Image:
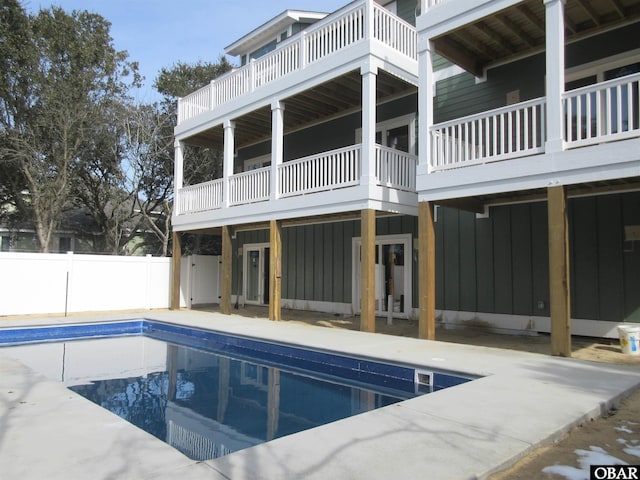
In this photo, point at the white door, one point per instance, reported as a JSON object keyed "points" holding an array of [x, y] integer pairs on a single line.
{"points": [[256, 266], [392, 274]]}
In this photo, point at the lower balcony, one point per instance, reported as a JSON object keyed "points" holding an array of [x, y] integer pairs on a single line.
{"points": [[601, 128], [329, 182]]}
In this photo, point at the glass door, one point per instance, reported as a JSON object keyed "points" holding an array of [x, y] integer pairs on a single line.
{"points": [[392, 256], [392, 275], [256, 275]]}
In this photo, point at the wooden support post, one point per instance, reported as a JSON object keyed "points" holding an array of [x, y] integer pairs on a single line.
{"points": [[273, 402], [426, 271], [368, 272], [559, 297], [227, 269], [275, 270], [224, 369], [175, 272], [172, 371]]}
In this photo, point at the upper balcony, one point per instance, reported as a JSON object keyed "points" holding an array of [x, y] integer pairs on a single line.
{"points": [[478, 35], [596, 114], [357, 30], [344, 66], [587, 136], [329, 182]]}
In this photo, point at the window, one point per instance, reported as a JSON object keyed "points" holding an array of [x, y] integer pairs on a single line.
{"points": [[616, 115], [65, 245], [257, 162], [5, 243], [397, 133]]}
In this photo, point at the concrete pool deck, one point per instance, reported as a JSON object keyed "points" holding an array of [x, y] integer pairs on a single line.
{"points": [[522, 402]]}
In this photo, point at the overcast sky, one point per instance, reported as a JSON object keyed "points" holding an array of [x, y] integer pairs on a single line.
{"points": [[159, 33]]}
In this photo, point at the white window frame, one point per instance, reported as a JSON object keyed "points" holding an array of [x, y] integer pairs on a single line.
{"points": [[599, 67], [245, 268], [383, 127], [257, 162], [407, 240]]}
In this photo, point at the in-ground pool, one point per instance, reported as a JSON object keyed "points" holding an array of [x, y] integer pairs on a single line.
{"points": [[206, 393]]}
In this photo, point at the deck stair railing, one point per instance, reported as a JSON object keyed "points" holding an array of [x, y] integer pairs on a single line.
{"points": [[395, 168], [200, 197], [513, 131], [249, 187], [603, 112], [334, 33], [326, 171]]}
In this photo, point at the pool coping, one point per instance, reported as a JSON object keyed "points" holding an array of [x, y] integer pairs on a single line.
{"points": [[523, 401]]}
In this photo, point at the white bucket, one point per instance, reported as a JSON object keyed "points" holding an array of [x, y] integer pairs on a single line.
{"points": [[630, 338]]}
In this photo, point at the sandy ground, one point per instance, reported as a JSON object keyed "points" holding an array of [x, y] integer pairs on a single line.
{"points": [[608, 440]]}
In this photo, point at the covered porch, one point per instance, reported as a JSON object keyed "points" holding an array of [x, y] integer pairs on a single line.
{"points": [[582, 141]]}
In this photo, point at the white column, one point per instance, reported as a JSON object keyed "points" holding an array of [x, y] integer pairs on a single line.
{"points": [[227, 163], [554, 14], [426, 93], [368, 21], [368, 160], [178, 173], [277, 146]]}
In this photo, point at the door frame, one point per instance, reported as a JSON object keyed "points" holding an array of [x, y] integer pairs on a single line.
{"points": [[403, 238], [262, 273]]}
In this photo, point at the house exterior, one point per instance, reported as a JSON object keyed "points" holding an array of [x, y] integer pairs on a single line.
{"points": [[473, 164]]}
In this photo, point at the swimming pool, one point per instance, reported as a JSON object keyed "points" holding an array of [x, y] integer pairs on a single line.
{"points": [[208, 393]]}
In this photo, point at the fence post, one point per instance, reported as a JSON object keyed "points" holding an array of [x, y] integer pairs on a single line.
{"points": [[69, 278], [147, 287]]}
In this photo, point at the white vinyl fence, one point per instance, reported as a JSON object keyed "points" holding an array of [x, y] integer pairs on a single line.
{"points": [[52, 283]]}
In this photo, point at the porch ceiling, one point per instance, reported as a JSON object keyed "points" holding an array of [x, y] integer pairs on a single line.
{"points": [[478, 203], [330, 99], [520, 30]]}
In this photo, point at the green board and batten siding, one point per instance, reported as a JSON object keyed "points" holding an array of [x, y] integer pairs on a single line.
{"points": [[505, 267], [462, 95], [497, 264]]}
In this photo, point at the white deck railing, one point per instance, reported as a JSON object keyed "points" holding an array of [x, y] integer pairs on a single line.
{"points": [[500, 134], [326, 171], [200, 197], [249, 187], [600, 113], [604, 112], [396, 169], [395, 32], [334, 33], [323, 172], [322, 40]]}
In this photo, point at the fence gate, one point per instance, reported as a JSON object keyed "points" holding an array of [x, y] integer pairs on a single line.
{"points": [[200, 279]]}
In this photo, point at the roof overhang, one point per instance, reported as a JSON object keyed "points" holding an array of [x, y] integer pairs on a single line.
{"points": [[270, 30], [519, 31]]}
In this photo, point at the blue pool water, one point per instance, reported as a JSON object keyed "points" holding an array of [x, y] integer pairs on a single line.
{"points": [[209, 394]]}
